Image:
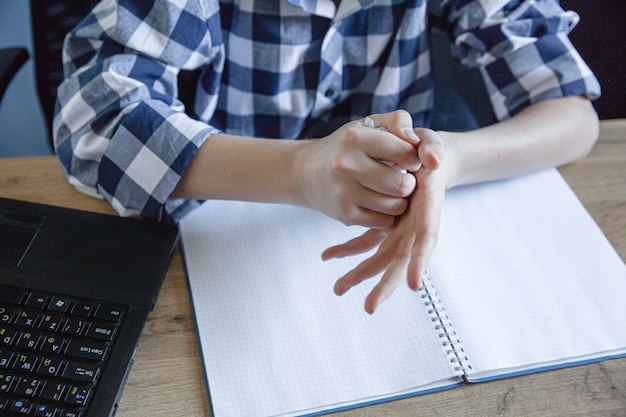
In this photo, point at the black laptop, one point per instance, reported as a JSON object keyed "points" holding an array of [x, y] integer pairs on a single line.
{"points": [[75, 291]]}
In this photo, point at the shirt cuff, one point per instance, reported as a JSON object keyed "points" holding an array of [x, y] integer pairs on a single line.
{"points": [[145, 160]]}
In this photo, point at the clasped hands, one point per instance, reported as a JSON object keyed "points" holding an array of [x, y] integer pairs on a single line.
{"points": [[401, 209]]}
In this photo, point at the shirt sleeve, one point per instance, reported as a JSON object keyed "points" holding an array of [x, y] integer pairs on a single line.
{"points": [[119, 130], [521, 48]]}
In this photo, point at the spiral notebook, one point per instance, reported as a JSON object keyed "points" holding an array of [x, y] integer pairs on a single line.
{"points": [[522, 281]]}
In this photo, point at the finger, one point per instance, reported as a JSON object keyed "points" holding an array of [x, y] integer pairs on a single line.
{"points": [[431, 150], [429, 200], [366, 218], [387, 180], [398, 122], [415, 270], [383, 145], [423, 249], [370, 267], [393, 277], [388, 284], [372, 208], [363, 155], [361, 244]]}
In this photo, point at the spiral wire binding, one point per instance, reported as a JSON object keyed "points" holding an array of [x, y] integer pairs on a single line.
{"points": [[443, 326]]}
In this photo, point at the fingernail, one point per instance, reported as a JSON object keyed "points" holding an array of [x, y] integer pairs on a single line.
{"points": [[419, 166], [410, 133]]}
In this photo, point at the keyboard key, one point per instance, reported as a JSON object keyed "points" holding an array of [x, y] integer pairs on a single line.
{"points": [[27, 387], [52, 344], [83, 308], [74, 327], [60, 304], [8, 335], [44, 410], [5, 358], [21, 407], [28, 340], [7, 314], [81, 372], [53, 391], [51, 322], [69, 413], [50, 366], [83, 349], [39, 301], [78, 395], [27, 318], [101, 331], [109, 313], [25, 362], [6, 383]]}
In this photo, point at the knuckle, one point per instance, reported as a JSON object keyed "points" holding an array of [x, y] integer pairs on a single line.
{"points": [[427, 180], [350, 134], [346, 211], [384, 222], [341, 167], [348, 215], [405, 185], [399, 207], [430, 136], [403, 118]]}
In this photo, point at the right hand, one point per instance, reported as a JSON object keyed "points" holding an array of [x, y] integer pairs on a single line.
{"points": [[342, 175]]}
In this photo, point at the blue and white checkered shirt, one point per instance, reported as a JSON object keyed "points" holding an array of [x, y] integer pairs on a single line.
{"points": [[280, 69]]}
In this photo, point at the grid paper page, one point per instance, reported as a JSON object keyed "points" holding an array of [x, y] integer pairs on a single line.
{"points": [[527, 277], [275, 339]]}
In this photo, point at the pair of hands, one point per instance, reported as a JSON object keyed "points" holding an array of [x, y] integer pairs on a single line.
{"points": [[402, 209]]}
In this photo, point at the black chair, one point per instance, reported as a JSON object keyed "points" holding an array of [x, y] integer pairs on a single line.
{"points": [[11, 60], [51, 21]]}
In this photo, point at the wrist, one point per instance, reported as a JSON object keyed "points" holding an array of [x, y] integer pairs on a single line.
{"points": [[303, 173], [450, 163]]}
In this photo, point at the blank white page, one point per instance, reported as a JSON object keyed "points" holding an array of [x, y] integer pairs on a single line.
{"points": [[528, 279], [274, 338]]}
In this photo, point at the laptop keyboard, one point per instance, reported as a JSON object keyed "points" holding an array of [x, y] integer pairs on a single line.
{"points": [[53, 350]]}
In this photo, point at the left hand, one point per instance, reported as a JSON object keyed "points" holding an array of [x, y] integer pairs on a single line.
{"points": [[404, 248]]}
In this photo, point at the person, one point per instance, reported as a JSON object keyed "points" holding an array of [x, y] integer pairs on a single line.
{"points": [[351, 79]]}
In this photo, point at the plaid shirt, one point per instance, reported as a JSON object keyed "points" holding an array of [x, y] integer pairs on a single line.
{"points": [[280, 69]]}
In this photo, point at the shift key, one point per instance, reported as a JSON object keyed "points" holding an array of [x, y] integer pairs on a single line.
{"points": [[101, 331]]}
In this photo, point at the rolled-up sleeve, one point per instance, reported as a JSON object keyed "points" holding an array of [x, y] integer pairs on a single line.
{"points": [[119, 129], [522, 49]]}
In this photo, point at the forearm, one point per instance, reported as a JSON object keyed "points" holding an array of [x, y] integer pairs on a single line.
{"points": [[239, 168], [548, 134]]}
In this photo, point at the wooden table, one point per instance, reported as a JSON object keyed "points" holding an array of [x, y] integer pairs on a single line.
{"points": [[167, 378]]}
